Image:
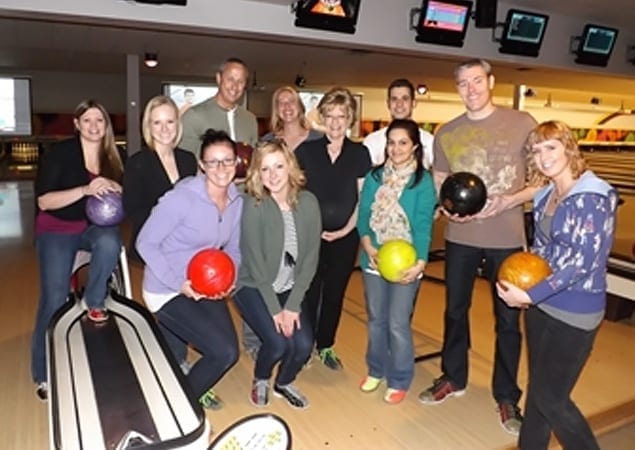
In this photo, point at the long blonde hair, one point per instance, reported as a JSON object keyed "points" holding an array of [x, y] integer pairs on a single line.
{"points": [[146, 128], [110, 165], [254, 185], [559, 131], [276, 122]]}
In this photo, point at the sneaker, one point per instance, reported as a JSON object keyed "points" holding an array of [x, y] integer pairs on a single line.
{"points": [[369, 384], [259, 395], [292, 395], [510, 418], [330, 359], [440, 390], [394, 396], [42, 391], [97, 315], [210, 400]]}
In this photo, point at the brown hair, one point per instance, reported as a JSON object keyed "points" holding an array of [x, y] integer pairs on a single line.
{"points": [[559, 131], [110, 165]]}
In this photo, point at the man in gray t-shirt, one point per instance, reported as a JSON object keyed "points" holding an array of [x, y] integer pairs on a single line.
{"points": [[488, 141]]}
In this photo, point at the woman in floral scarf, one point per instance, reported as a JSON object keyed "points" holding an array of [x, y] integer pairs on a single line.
{"points": [[397, 202]]}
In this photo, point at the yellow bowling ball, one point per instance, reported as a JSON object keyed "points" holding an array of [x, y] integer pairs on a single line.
{"points": [[395, 256]]}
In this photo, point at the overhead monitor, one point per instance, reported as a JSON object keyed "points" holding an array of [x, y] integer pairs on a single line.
{"points": [[523, 33], [596, 45], [330, 15], [15, 106], [443, 22]]}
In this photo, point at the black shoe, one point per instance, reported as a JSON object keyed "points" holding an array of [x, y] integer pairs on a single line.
{"points": [[42, 391], [292, 395]]}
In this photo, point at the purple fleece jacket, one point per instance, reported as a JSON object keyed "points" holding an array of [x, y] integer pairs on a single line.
{"points": [[183, 222]]}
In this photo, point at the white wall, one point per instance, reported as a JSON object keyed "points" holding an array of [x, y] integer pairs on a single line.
{"points": [[381, 25]]}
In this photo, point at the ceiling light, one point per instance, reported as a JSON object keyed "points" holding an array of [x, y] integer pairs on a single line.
{"points": [[300, 81], [151, 60], [422, 89]]}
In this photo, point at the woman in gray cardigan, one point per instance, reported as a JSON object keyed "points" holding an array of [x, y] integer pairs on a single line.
{"points": [[280, 242]]}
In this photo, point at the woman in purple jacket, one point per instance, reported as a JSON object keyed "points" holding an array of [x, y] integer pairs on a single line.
{"points": [[199, 212], [575, 226]]}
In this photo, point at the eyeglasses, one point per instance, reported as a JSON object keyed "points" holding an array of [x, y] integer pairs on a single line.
{"points": [[216, 163]]}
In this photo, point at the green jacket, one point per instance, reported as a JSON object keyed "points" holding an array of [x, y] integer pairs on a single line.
{"points": [[208, 114], [262, 244], [417, 202]]}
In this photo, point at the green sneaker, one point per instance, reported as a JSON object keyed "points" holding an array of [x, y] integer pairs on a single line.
{"points": [[210, 400], [329, 359]]}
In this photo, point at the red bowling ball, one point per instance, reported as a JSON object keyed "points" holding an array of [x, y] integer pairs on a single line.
{"points": [[211, 272], [243, 156]]}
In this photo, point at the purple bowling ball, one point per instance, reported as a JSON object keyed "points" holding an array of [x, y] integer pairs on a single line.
{"points": [[105, 210]]}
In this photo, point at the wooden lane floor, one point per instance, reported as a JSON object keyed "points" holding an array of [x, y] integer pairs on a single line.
{"points": [[340, 416], [617, 167]]}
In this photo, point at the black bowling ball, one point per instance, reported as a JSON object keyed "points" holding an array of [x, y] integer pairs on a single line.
{"points": [[463, 193]]}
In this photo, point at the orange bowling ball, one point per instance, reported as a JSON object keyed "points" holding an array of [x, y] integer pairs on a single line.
{"points": [[524, 269]]}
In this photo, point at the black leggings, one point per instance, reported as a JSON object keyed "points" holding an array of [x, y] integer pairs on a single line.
{"points": [[325, 296]]}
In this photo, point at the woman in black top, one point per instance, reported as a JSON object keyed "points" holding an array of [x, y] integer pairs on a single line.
{"points": [[153, 171], [335, 168], [85, 165]]}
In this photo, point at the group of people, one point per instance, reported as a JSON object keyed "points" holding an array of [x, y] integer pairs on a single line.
{"points": [[294, 226]]}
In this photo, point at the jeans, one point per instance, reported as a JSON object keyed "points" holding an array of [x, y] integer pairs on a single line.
{"points": [[325, 297], [207, 326], [291, 352], [557, 354], [390, 351], [56, 254], [461, 265], [250, 340]]}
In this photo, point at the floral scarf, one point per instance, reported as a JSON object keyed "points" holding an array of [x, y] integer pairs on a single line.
{"points": [[387, 218]]}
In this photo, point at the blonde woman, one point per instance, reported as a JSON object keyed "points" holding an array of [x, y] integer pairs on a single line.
{"points": [[288, 119], [155, 169], [335, 168], [280, 245]]}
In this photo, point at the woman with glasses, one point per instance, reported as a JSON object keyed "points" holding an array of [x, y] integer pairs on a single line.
{"points": [[199, 212], [155, 169], [335, 168], [280, 244]]}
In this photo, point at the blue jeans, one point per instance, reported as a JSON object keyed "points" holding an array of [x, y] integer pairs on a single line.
{"points": [[56, 254], [461, 265], [390, 351], [557, 355], [207, 326], [291, 352]]}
